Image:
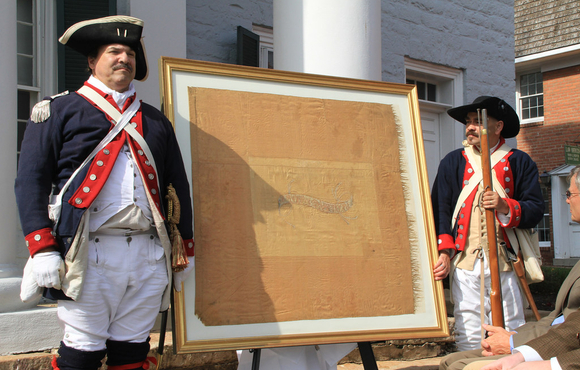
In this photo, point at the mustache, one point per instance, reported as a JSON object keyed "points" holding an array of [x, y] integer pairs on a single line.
{"points": [[123, 65], [471, 133]]}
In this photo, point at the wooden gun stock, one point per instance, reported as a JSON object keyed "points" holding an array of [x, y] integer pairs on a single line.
{"points": [[495, 295], [518, 265]]}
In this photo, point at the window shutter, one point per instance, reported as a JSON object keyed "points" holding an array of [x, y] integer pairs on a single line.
{"points": [[72, 65], [248, 48]]}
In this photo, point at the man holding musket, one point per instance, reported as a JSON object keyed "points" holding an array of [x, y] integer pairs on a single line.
{"points": [[459, 204], [107, 257]]}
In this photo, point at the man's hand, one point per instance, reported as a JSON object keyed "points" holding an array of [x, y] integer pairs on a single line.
{"points": [[492, 200], [508, 362], [497, 342], [442, 267], [48, 269]]}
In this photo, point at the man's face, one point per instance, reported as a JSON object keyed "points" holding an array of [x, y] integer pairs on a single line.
{"points": [[472, 134], [574, 200], [114, 66]]}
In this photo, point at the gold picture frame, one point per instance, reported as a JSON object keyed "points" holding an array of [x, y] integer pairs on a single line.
{"points": [[312, 213]]}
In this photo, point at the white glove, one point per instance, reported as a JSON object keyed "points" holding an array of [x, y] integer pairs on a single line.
{"points": [[29, 289], [48, 268], [181, 276]]}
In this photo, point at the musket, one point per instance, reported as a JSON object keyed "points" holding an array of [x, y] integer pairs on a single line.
{"points": [[162, 333], [517, 262], [495, 295]]}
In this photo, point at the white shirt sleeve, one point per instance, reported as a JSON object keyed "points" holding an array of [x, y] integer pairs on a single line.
{"points": [[554, 364], [529, 353], [504, 219]]}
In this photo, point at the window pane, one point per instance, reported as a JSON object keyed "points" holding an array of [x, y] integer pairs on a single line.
{"points": [[431, 92], [425, 90], [21, 129], [23, 112], [421, 90], [24, 71], [23, 105], [270, 59], [544, 225], [525, 103], [24, 11], [24, 39]]}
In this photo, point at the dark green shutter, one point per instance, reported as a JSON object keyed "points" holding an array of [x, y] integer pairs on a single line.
{"points": [[248, 48], [73, 69]]}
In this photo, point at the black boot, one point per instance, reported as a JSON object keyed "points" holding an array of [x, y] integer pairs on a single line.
{"points": [[74, 359], [125, 353]]}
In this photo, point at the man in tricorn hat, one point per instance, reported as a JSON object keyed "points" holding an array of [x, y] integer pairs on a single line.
{"points": [[107, 257], [461, 230]]}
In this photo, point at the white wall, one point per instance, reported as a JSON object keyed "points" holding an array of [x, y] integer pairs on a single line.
{"points": [[474, 36], [9, 226], [477, 36], [212, 26], [164, 34]]}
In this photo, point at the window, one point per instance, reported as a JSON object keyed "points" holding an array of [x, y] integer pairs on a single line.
{"points": [[73, 68], [543, 227], [266, 45], [531, 96], [425, 90], [26, 54], [39, 23], [248, 48]]}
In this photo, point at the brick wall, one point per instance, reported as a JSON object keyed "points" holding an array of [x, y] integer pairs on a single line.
{"points": [[545, 142]]}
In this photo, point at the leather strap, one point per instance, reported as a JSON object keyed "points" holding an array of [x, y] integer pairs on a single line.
{"points": [[477, 175], [102, 103], [122, 121]]}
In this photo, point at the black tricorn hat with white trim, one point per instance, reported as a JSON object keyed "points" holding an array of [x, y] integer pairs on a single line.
{"points": [[87, 36], [496, 108]]}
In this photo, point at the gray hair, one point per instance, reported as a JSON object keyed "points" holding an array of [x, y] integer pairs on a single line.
{"points": [[574, 174]]}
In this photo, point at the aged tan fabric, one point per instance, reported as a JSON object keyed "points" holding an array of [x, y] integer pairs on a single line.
{"points": [[299, 209]]}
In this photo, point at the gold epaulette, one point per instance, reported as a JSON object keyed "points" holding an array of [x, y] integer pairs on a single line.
{"points": [[41, 111]]}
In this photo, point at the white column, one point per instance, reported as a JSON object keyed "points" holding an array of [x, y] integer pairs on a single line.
{"points": [[25, 328], [161, 38], [11, 240], [329, 37]]}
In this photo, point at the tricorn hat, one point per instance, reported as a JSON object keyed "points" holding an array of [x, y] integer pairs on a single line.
{"points": [[496, 108], [87, 36]]}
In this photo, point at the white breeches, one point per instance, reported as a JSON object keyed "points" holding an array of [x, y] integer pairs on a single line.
{"points": [[121, 294], [466, 296]]}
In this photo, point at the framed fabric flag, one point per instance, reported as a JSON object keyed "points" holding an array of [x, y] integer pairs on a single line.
{"points": [[312, 215]]}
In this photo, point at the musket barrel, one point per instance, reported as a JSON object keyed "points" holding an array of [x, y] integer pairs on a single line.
{"points": [[496, 294]]}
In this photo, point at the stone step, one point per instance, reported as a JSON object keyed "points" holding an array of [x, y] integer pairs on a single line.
{"points": [[388, 354]]}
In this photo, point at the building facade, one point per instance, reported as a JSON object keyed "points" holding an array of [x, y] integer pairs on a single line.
{"points": [[547, 46], [453, 51]]}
